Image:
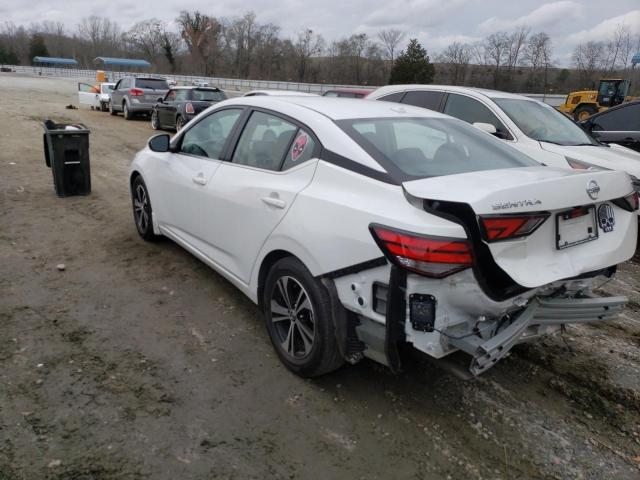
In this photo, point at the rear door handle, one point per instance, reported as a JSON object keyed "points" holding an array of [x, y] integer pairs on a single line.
{"points": [[200, 180], [274, 201]]}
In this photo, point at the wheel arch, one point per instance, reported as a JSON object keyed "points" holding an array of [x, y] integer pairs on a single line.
{"points": [[267, 262]]}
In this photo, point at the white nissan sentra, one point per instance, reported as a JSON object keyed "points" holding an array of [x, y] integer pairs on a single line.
{"points": [[359, 226]]}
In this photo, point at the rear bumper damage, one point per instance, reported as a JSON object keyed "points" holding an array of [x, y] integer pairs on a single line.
{"points": [[533, 321]]}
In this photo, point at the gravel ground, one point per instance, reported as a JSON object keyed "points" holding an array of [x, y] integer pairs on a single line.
{"points": [[139, 362]]}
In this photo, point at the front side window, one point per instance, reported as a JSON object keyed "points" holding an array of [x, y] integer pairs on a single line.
{"points": [[182, 95], [331, 94], [171, 96], [208, 95], [543, 123], [431, 147], [394, 97], [208, 137], [472, 111], [264, 141]]}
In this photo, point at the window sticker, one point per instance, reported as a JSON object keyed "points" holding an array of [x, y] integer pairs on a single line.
{"points": [[298, 147]]}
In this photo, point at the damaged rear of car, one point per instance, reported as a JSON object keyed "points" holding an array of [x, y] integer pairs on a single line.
{"points": [[522, 250]]}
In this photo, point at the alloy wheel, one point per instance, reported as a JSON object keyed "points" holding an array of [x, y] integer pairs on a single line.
{"points": [[292, 317], [141, 208]]}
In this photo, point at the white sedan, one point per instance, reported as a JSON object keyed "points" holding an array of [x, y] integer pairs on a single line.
{"points": [[359, 226], [533, 127]]}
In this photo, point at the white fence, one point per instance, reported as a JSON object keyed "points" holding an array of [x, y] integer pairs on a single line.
{"points": [[223, 83]]}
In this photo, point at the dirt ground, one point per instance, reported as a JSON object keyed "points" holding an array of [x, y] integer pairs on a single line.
{"points": [[139, 362]]}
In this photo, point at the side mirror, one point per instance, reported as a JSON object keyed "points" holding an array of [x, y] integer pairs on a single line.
{"points": [[160, 100], [159, 143], [486, 127]]}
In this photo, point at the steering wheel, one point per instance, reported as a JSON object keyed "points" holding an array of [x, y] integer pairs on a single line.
{"points": [[194, 149], [538, 132]]}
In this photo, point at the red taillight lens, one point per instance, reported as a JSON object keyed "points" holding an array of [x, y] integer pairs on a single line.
{"points": [[189, 108], [631, 202], [434, 257], [506, 227], [136, 92]]}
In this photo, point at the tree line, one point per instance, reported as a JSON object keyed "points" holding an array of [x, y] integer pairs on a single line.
{"points": [[243, 47]]}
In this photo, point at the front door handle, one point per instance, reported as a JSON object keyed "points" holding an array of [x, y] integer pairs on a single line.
{"points": [[274, 201], [200, 180]]}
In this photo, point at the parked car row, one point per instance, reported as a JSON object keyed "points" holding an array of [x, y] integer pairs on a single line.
{"points": [[360, 226]]}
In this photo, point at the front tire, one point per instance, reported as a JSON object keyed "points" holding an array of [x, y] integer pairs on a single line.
{"points": [[155, 123], [142, 211], [297, 311], [583, 112]]}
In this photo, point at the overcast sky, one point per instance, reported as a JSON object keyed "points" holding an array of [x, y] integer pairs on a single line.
{"points": [[435, 23]]}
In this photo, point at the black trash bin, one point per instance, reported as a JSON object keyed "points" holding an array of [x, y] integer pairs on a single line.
{"points": [[66, 151]]}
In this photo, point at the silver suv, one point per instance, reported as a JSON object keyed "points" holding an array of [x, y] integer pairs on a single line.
{"points": [[133, 95]]}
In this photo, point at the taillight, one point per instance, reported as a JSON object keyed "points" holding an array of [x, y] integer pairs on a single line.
{"points": [[630, 203], [431, 256], [507, 227], [136, 92], [189, 108]]}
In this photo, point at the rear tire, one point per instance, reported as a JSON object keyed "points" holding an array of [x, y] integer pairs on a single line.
{"points": [[104, 107], [142, 211], [297, 312], [111, 109], [583, 112], [125, 111], [179, 123]]}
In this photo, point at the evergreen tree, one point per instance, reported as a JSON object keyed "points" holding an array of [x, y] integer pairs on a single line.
{"points": [[412, 65], [37, 47]]}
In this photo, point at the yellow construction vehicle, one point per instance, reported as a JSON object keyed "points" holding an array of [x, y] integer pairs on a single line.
{"points": [[611, 92]]}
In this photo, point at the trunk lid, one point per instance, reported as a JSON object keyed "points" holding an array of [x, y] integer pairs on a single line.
{"points": [[536, 260]]}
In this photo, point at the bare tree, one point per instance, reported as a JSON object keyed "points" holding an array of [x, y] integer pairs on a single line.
{"points": [[589, 59], [456, 58], [537, 54], [200, 32], [390, 39], [496, 50], [306, 46], [101, 34]]}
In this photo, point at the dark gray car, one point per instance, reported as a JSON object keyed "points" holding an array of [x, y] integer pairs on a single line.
{"points": [[133, 95]]}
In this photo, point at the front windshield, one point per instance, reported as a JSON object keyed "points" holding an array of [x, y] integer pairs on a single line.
{"points": [[544, 123], [430, 147]]}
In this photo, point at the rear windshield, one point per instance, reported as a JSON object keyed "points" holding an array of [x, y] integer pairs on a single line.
{"points": [[208, 95], [431, 147], [152, 83]]}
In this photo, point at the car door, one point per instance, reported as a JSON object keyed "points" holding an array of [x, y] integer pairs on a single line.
{"points": [[164, 107], [182, 176], [471, 110], [620, 125], [250, 195], [86, 94], [117, 94]]}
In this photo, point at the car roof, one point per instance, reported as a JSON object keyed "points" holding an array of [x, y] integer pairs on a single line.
{"points": [[338, 108], [351, 90], [194, 87], [281, 93], [449, 88]]}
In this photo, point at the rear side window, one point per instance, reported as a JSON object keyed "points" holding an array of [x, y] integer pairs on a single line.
{"points": [[264, 141], [394, 97], [622, 119], [472, 111], [152, 83], [429, 147], [430, 100]]}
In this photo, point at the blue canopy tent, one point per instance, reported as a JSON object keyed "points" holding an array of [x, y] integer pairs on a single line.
{"points": [[110, 62], [54, 62]]}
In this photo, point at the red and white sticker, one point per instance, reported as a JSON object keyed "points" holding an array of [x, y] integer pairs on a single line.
{"points": [[298, 147]]}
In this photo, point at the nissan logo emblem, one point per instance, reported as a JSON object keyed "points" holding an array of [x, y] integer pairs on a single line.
{"points": [[593, 190]]}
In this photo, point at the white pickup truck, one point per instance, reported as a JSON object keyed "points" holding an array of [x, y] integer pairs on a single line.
{"points": [[95, 96]]}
